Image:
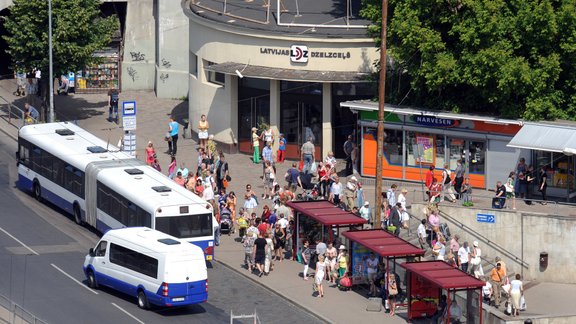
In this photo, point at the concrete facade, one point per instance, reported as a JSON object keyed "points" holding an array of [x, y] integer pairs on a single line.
{"points": [[138, 64], [523, 235], [172, 50]]}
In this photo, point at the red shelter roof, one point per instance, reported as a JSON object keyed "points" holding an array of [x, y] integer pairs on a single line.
{"points": [[443, 275], [325, 212], [384, 243]]}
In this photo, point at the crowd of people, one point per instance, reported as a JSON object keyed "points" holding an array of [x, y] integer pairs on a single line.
{"points": [[434, 236], [267, 239], [519, 185]]}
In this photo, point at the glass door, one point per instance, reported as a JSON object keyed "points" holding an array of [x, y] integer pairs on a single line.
{"points": [[301, 116], [253, 109]]}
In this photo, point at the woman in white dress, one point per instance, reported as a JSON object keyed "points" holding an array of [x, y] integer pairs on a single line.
{"points": [[321, 266], [268, 265], [516, 292]]}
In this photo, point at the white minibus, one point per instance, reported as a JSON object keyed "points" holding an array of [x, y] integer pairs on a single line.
{"points": [[157, 268]]}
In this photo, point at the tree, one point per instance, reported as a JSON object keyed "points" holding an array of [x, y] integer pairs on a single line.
{"points": [[78, 31], [509, 58]]}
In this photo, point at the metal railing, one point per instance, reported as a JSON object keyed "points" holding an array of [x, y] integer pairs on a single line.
{"points": [[13, 114], [16, 313], [224, 10], [479, 236]]}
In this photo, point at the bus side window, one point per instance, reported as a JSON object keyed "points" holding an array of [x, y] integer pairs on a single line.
{"points": [[101, 249]]}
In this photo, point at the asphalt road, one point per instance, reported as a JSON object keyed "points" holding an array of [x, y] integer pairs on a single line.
{"points": [[41, 255]]}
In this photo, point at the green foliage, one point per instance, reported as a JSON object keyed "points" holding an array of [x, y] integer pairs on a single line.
{"points": [[508, 58], [78, 31]]}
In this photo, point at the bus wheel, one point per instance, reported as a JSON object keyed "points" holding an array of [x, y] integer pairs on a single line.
{"points": [[37, 191], [77, 215], [143, 300], [92, 280]]}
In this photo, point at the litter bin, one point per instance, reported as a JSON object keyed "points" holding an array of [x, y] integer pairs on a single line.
{"points": [[543, 261]]}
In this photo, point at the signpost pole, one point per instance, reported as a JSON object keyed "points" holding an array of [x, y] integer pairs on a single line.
{"points": [[381, 97]]}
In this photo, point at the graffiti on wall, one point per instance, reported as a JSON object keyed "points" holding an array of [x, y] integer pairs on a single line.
{"points": [[163, 77], [137, 56], [132, 73], [166, 64]]}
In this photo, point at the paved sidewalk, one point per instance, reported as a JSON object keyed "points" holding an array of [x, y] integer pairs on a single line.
{"points": [[90, 112]]}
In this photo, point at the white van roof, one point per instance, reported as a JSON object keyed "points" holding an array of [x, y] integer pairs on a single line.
{"points": [[152, 241]]}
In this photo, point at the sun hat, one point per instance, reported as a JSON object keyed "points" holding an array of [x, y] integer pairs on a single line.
{"points": [[404, 190], [342, 247], [353, 178], [475, 243], [366, 203]]}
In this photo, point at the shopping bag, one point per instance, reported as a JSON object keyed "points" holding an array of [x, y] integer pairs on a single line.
{"points": [[314, 287], [301, 165], [522, 303]]}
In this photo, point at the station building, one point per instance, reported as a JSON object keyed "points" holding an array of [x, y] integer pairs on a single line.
{"points": [[287, 65]]}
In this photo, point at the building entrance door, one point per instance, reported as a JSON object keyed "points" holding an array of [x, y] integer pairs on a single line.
{"points": [[253, 110], [299, 121], [301, 116]]}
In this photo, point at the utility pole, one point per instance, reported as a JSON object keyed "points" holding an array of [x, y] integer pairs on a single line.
{"points": [[381, 96], [50, 74]]}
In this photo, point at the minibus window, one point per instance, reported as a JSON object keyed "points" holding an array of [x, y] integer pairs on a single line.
{"points": [[101, 249]]}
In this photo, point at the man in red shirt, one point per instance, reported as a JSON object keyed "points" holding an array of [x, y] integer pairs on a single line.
{"points": [[429, 177]]}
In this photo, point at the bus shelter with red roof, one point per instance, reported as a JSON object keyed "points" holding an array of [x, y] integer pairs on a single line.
{"points": [[320, 219], [383, 244], [427, 280]]}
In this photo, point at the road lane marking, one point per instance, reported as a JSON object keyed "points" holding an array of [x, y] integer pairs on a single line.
{"points": [[73, 279], [125, 312], [20, 242]]}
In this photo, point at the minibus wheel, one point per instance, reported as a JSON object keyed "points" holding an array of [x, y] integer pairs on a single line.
{"points": [[92, 280], [143, 300]]}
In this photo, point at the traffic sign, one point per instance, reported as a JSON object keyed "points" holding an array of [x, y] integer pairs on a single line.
{"points": [[485, 218], [129, 115]]}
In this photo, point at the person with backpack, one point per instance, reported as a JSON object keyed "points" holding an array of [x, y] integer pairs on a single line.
{"points": [[113, 100], [447, 183]]}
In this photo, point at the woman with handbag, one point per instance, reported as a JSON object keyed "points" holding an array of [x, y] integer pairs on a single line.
{"points": [[510, 192], [516, 293], [392, 292], [476, 261]]}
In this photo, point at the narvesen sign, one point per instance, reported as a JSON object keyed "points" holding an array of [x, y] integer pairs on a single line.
{"points": [[434, 121], [301, 53]]}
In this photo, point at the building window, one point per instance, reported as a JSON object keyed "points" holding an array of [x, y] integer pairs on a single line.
{"points": [[193, 64], [214, 77], [392, 145]]}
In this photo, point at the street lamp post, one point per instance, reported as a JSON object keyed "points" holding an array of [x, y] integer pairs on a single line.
{"points": [[50, 74], [381, 96]]}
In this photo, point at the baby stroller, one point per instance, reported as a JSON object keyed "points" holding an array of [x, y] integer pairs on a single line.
{"points": [[226, 225], [311, 190]]}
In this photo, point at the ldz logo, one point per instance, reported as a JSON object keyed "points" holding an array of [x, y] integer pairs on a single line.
{"points": [[299, 54]]}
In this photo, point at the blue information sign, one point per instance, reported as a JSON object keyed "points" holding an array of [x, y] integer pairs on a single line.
{"points": [[128, 108], [485, 218]]}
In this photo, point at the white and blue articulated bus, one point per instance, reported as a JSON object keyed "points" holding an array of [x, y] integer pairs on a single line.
{"points": [[156, 268], [105, 188]]}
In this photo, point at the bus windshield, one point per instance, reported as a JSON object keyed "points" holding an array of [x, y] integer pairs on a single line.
{"points": [[186, 226]]}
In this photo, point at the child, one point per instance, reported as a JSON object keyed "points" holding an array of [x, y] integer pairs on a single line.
{"points": [[248, 251], [242, 226], [466, 191], [281, 149]]}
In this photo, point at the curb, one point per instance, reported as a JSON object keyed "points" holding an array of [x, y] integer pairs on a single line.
{"points": [[8, 134], [293, 303]]}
